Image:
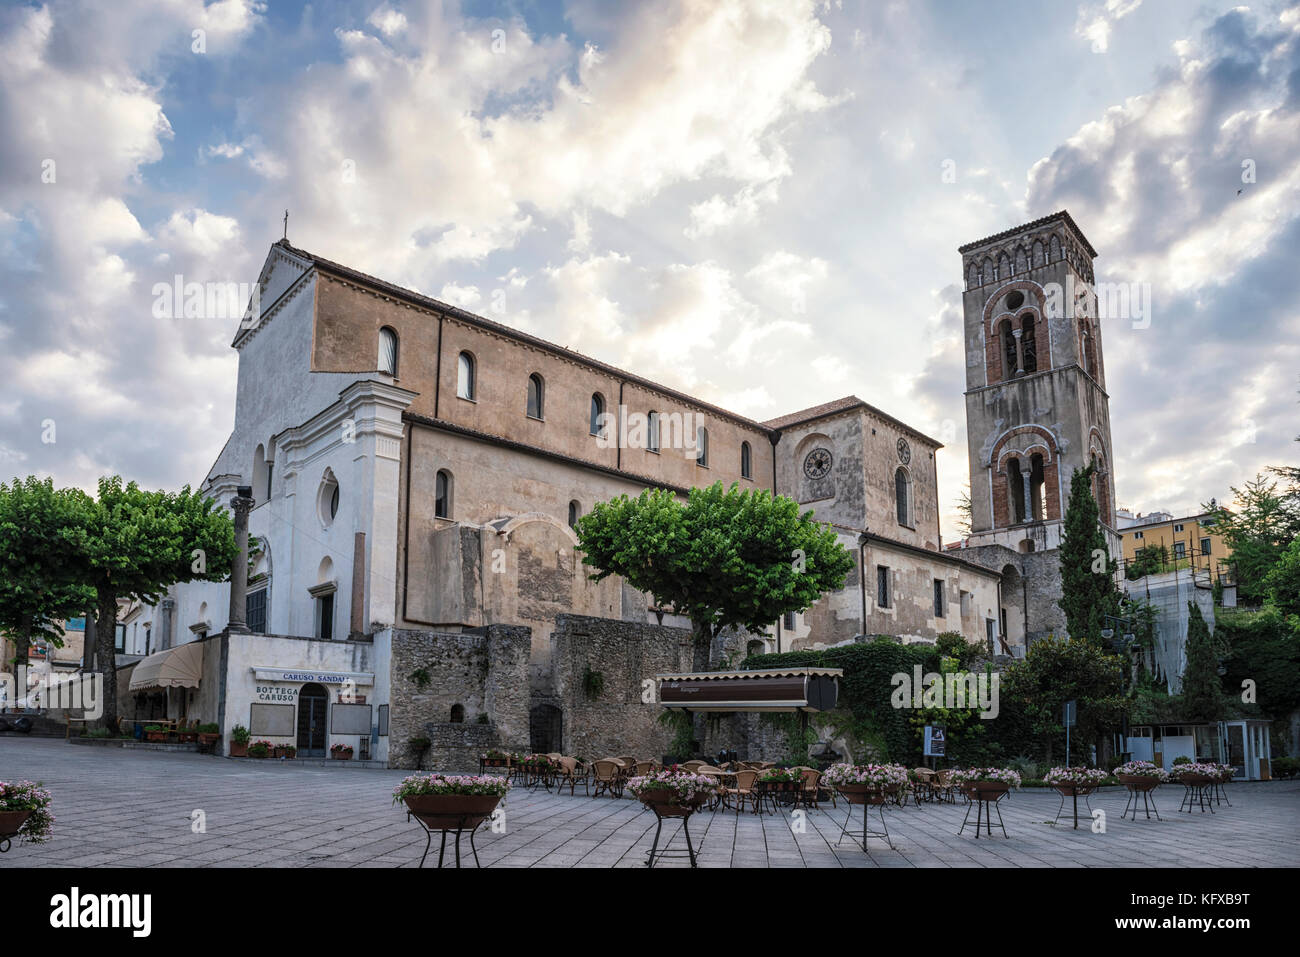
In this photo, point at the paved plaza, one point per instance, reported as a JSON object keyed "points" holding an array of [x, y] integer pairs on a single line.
{"points": [[128, 808]]}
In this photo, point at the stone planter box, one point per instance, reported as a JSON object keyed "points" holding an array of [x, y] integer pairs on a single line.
{"points": [[862, 793]]}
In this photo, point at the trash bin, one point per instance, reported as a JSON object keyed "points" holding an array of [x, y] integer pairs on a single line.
{"points": [[137, 731]]}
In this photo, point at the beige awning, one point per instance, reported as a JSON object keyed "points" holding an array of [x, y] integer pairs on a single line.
{"points": [[180, 667]]}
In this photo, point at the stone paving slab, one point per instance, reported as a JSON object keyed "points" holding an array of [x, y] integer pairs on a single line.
{"points": [[134, 809]]}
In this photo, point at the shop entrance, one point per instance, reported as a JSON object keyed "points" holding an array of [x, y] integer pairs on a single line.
{"points": [[313, 702]]}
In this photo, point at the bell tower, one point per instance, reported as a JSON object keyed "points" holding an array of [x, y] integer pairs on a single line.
{"points": [[1036, 401]]}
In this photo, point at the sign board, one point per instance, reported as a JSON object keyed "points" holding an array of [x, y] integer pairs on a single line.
{"points": [[262, 673], [350, 719], [1070, 714], [275, 694], [934, 742], [277, 720]]}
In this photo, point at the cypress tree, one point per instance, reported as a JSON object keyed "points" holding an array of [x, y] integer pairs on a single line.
{"points": [[1088, 592], [1202, 698]]}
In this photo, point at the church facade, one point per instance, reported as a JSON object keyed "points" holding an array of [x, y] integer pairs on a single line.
{"points": [[417, 469]]}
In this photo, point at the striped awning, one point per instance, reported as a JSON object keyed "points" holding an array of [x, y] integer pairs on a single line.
{"points": [[180, 667]]}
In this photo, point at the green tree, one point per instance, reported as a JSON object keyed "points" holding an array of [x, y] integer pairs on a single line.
{"points": [[1258, 528], [1202, 695], [134, 543], [1283, 581], [1088, 592], [39, 589], [1056, 670], [724, 558], [964, 512]]}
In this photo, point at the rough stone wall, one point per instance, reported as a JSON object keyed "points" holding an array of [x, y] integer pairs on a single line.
{"points": [[485, 671], [625, 654]]}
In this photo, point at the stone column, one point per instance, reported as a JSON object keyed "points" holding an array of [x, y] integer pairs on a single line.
{"points": [[237, 624], [1025, 478], [166, 622], [1020, 351]]}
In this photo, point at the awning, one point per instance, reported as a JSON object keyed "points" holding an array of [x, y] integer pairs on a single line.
{"points": [[180, 667], [785, 689]]}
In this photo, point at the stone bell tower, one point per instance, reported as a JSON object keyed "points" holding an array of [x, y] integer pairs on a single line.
{"points": [[1036, 402]]}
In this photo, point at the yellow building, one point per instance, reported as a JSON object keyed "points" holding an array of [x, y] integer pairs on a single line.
{"points": [[1173, 544]]}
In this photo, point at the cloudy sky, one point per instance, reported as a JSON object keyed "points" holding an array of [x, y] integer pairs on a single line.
{"points": [[743, 200]]}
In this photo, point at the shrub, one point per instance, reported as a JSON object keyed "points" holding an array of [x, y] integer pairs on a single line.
{"points": [[240, 735], [1182, 759]]}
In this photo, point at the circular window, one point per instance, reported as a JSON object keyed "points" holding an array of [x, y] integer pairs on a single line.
{"points": [[1015, 300], [327, 500]]}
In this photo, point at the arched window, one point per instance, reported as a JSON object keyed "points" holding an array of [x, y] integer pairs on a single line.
{"points": [[746, 461], [1021, 263], [988, 271], [1038, 252], [903, 496], [388, 351], [1087, 353], [465, 385], [442, 494], [327, 498], [1028, 346], [1055, 249], [1037, 488], [458, 714], [702, 447], [261, 478], [1010, 360], [972, 276], [652, 432], [536, 396], [575, 511], [1016, 488], [1004, 267], [597, 414]]}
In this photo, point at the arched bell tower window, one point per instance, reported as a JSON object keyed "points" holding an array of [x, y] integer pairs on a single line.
{"points": [[1028, 346], [1010, 361], [1016, 482]]}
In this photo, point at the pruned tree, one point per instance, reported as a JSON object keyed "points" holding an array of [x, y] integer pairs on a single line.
{"points": [[1202, 696], [134, 543], [39, 586], [724, 558]]}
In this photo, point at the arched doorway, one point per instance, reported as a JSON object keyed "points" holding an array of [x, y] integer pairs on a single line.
{"points": [[313, 704], [545, 728]]}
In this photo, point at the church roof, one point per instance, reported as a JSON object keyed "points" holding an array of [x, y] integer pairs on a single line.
{"points": [[1060, 216], [770, 426], [826, 409]]}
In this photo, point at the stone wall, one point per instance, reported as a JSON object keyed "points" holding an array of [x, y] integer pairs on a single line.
{"points": [[484, 671], [625, 654]]}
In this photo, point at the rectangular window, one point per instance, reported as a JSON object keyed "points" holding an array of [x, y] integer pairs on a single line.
{"points": [[1178, 528], [119, 640], [383, 720], [1180, 549], [325, 617], [966, 603], [990, 634], [940, 607], [1205, 546], [788, 623], [1137, 534], [882, 586], [255, 611]]}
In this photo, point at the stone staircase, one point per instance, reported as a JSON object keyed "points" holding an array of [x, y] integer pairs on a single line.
{"points": [[42, 725]]}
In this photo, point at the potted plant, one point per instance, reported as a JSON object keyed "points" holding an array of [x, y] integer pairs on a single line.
{"points": [[1193, 774], [239, 738], [451, 802], [1070, 781], [260, 749], [208, 735], [865, 783], [187, 735], [673, 793], [986, 783], [155, 732], [341, 752], [495, 758], [1140, 775], [24, 813], [286, 751], [781, 779]]}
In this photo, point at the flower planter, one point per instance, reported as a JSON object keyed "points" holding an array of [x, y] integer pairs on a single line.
{"points": [[341, 755], [452, 811], [495, 762], [668, 803], [1138, 782], [207, 740], [238, 750], [1071, 790], [155, 735], [1194, 780], [187, 737], [862, 793], [11, 821], [985, 790]]}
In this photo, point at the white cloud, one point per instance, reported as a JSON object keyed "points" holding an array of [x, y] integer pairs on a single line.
{"points": [[1096, 20]]}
